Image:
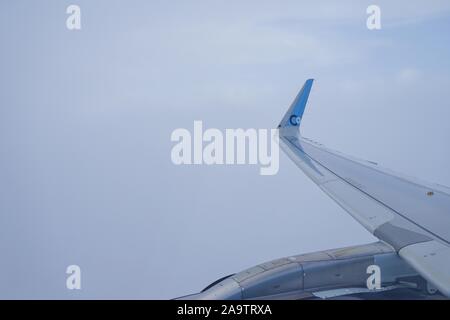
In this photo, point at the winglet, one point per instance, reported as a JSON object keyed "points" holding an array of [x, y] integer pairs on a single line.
{"points": [[294, 115]]}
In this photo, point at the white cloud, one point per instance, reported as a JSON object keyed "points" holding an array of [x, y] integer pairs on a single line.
{"points": [[408, 76]]}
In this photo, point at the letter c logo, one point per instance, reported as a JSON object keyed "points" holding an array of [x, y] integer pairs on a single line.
{"points": [[295, 121]]}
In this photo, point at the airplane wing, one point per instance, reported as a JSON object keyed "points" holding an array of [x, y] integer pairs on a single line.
{"points": [[410, 215]]}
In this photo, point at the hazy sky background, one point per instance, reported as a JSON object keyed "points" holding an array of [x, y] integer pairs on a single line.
{"points": [[86, 116]]}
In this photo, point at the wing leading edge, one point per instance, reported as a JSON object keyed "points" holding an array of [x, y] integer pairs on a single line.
{"points": [[410, 215]]}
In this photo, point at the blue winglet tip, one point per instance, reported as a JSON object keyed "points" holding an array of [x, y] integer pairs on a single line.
{"points": [[294, 115]]}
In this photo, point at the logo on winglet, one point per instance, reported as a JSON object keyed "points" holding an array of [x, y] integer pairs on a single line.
{"points": [[294, 120]]}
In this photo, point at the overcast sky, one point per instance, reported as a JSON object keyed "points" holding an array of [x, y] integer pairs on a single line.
{"points": [[86, 116]]}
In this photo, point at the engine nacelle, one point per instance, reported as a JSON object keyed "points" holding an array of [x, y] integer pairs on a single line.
{"points": [[320, 274]]}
